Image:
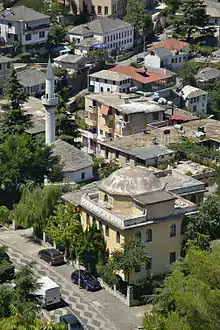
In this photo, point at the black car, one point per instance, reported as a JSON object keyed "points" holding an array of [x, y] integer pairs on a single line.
{"points": [[71, 321], [87, 280], [4, 256], [52, 256]]}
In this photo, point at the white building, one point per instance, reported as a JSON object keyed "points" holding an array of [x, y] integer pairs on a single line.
{"points": [[195, 99], [77, 165], [104, 32], [24, 25], [109, 81]]}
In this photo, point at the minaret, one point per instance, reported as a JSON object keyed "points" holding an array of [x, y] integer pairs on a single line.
{"points": [[50, 101]]}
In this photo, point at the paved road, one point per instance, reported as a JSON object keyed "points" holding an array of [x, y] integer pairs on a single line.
{"points": [[97, 310]]}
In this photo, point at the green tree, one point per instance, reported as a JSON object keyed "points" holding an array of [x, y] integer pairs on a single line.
{"points": [[108, 169], [172, 5], [188, 73], [35, 206], [63, 228], [190, 296], [22, 161], [129, 257], [39, 5], [7, 271], [15, 120], [214, 99], [194, 18], [56, 35], [135, 15]]}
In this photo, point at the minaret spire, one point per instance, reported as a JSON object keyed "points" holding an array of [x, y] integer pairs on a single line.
{"points": [[50, 101]]}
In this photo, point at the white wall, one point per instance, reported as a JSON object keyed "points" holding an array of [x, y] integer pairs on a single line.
{"points": [[177, 61], [102, 86], [75, 177], [119, 39], [152, 60], [200, 102]]}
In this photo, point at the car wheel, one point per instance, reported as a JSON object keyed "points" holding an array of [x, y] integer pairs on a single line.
{"points": [[87, 288]]}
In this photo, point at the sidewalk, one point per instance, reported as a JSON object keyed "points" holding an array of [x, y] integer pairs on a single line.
{"points": [[123, 317]]}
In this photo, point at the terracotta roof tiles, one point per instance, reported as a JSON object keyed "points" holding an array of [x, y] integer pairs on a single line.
{"points": [[171, 44]]}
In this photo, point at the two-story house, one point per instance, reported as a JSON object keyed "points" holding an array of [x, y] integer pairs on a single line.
{"points": [[107, 33], [113, 115], [24, 25], [195, 99], [134, 203], [104, 8], [6, 65], [109, 81], [170, 53]]}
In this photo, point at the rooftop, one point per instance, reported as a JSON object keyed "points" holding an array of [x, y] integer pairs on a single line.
{"points": [[72, 158], [31, 77], [22, 13], [34, 107], [207, 74], [171, 44], [160, 51], [154, 197], [110, 75], [140, 75], [212, 8], [69, 58], [190, 91], [126, 103], [145, 153], [100, 26]]}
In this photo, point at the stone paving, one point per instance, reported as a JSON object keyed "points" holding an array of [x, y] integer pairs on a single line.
{"points": [[96, 310]]}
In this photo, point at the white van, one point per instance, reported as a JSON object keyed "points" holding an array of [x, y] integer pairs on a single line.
{"points": [[49, 291]]}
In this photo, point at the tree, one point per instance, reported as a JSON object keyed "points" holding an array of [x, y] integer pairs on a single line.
{"points": [[214, 99], [63, 228], [188, 73], [22, 161], [189, 298], [56, 35], [7, 271], [135, 15], [194, 18], [35, 206], [204, 227], [129, 257], [15, 120], [172, 5], [108, 169]]}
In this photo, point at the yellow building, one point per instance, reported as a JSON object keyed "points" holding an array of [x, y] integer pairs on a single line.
{"points": [[133, 202]]}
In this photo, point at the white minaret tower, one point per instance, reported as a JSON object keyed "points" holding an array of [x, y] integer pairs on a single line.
{"points": [[50, 101]]}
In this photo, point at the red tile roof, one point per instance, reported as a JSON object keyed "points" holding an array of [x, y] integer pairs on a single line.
{"points": [[171, 44], [140, 75], [178, 117]]}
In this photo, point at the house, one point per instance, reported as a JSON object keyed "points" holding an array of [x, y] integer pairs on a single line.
{"points": [[147, 80], [213, 10], [207, 76], [6, 65], [24, 25], [133, 203], [70, 61], [195, 99], [108, 33], [33, 81], [170, 53], [216, 53], [109, 81], [112, 115], [77, 165]]}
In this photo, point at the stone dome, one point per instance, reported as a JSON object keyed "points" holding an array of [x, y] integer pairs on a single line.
{"points": [[130, 182]]}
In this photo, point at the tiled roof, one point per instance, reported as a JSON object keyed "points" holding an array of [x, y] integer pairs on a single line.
{"points": [[140, 75], [110, 75], [190, 91], [208, 73], [171, 44]]}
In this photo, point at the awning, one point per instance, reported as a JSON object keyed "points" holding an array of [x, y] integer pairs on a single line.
{"points": [[104, 110], [178, 117]]}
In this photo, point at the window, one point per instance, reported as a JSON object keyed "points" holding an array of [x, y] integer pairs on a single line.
{"points": [[149, 235], [183, 227], [100, 224], [137, 269], [9, 25], [138, 235], [99, 10], [126, 118], [108, 89], [172, 257], [173, 230], [182, 253], [172, 60], [122, 34], [101, 89], [107, 230], [155, 115], [119, 35], [130, 32], [197, 99], [105, 81], [83, 176], [204, 97], [118, 238], [113, 82], [148, 264], [176, 60], [87, 219], [42, 34], [180, 59], [111, 37], [0, 66], [130, 40], [28, 37], [105, 198], [114, 37], [106, 10]]}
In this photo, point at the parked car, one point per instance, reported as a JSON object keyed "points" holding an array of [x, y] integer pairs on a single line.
{"points": [[71, 321], [4, 256], [87, 280], [52, 256]]}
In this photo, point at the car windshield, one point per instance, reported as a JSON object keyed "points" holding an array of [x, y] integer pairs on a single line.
{"points": [[76, 325]]}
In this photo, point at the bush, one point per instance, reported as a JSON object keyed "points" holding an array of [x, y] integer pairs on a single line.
{"points": [[189, 173], [106, 273]]}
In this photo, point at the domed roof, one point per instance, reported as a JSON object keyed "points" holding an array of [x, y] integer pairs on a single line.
{"points": [[130, 182]]}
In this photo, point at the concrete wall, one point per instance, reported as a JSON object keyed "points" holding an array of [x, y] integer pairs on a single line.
{"points": [[197, 104], [152, 60], [108, 86], [75, 177]]}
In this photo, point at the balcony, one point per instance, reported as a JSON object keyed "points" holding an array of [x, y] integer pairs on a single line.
{"points": [[91, 109], [91, 122], [36, 27]]}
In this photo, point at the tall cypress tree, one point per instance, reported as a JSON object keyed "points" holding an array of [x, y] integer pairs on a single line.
{"points": [[15, 120]]}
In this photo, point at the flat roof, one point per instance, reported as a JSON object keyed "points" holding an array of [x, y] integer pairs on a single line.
{"points": [[145, 153], [154, 197]]}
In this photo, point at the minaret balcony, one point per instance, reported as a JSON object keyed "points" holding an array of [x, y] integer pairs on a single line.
{"points": [[49, 101]]}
